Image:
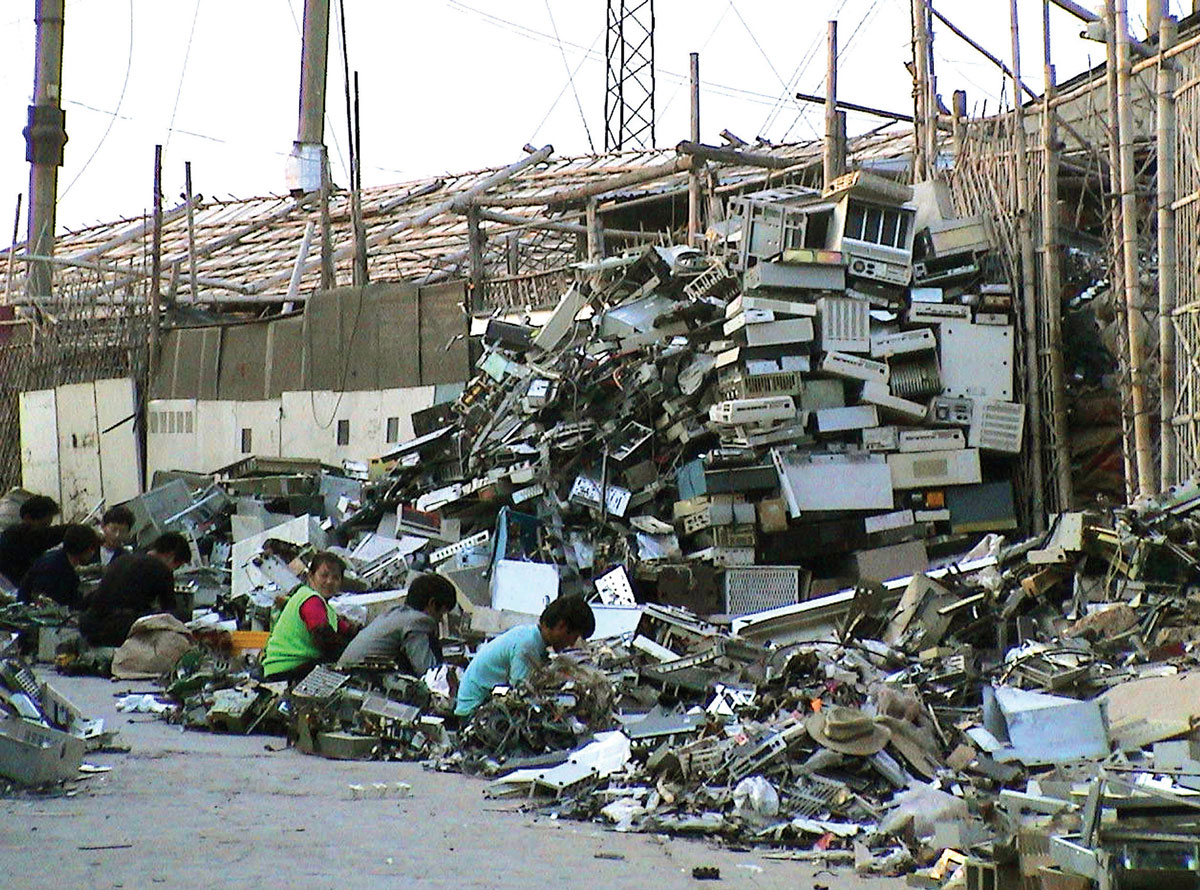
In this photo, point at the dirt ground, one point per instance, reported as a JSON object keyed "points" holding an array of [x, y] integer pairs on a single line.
{"points": [[191, 809]]}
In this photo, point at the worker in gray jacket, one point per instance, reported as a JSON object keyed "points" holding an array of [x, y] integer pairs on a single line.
{"points": [[407, 634]]}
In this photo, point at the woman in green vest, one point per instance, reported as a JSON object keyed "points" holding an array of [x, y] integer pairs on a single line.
{"points": [[308, 631]]}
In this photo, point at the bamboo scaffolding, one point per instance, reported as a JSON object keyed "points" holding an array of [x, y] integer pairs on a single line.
{"points": [[1165, 137], [1028, 286], [1147, 479]]}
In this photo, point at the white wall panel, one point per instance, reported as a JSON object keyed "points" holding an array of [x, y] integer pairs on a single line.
{"points": [[120, 450], [39, 443], [78, 450]]}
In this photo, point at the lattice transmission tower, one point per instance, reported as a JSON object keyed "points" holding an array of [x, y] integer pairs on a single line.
{"points": [[629, 87]]}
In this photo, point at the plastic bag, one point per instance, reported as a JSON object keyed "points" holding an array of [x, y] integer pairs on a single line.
{"points": [[919, 807], [755, 799]]}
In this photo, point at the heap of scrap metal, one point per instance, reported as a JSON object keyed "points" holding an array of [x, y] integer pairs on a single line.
{"points": [[697, 426], [1028, 717]]}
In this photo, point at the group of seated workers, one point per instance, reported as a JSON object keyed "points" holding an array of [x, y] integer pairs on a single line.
{"points": [[43, 560], [308, 632]]}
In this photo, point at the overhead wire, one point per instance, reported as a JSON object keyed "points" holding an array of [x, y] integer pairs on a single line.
{"points": [[583, 58], [113, 119], [182, 74], [843, 52], [571, 78]]}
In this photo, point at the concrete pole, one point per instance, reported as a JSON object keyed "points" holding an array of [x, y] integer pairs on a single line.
{"points": [[1167, 255], [830, 168], [45, 136], [1147, 478], [694, 224], [314, 57], [1029, 284]]}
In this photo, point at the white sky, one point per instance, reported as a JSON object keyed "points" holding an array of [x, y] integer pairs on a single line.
{"points": [[454, 85]]}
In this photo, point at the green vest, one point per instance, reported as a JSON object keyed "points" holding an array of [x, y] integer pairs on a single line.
{"points": [[290, 644]]}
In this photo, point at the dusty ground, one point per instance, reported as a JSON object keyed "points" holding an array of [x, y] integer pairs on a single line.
{"points": [[189, 809]]}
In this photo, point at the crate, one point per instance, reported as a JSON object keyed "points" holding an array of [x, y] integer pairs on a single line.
{"points": [[757, 588]]}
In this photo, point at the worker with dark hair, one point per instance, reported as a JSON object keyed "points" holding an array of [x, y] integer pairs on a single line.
{"points": [[308, 631], [24, 542], [134, 585], [510, 657], [115, 526], [53, 574], [407, 634]]}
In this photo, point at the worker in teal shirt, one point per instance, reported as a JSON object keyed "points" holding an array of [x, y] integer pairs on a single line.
{"points": [[510, 657]]}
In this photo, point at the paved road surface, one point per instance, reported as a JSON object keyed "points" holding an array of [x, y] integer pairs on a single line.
{"points": [[211, 811]]}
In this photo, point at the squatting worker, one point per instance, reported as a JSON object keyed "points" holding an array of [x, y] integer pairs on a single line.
{"points": [[308, 631], [407, 634], [24, 542], [510, 657], [53, 574], [115, 526], [134, 585]]}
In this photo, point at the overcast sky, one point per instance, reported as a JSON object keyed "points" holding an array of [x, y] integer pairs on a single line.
{"points": [[452, 86]]}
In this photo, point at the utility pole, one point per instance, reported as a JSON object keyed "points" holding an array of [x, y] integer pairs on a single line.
{"points": [[834, 156], [45, 136], [307, 161]]}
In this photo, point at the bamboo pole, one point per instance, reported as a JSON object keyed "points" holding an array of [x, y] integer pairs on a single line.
{"points": [[694, 224], [13, 249], [1167, 256], [1052, 282], [1147, 479], [154, 291], [921, 159], [1117, 269], [1028, 288], [191, 230], [960, 121]]}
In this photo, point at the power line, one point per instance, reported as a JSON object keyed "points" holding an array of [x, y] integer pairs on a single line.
{"points": [[571, 78], [563, 91], [112, 120], [182, 72]]}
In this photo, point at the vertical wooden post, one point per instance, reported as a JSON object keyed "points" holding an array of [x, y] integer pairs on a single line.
{"points": [[595, 232], [475, 301], [1147, 479], [1052, 281], [45, 137], [960, 121], [1116, 267], [1028, 285], [694, 176], [829, 165], [155, 291], [191, 229], [328, 278], [1167, 254]]}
